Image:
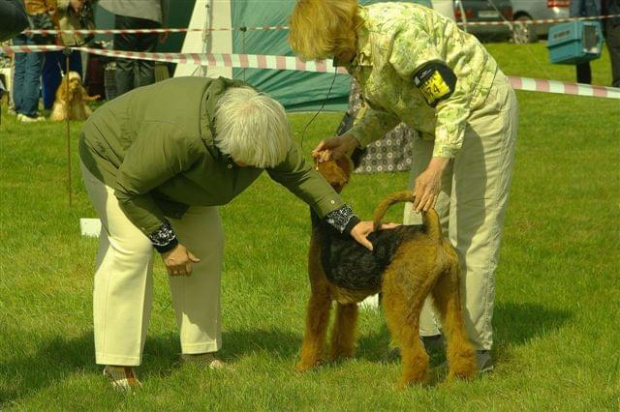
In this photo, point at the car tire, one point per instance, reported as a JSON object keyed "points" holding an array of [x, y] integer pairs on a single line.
{"points": [[523, 32]]}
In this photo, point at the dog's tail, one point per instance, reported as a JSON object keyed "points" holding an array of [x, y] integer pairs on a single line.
{"points": [[430, 219]]}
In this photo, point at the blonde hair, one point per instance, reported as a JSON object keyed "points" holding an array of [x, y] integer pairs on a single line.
{"points": [[252, 128], [324, 28]]}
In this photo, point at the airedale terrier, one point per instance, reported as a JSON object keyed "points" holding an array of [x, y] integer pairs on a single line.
{"points": [[408, 263]]}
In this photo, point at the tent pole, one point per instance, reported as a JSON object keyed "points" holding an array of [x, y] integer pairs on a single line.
{"points": [[67, 53]]}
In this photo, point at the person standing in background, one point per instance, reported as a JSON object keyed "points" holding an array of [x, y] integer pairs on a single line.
{"points": [[611, 29], [132, 14], [27, 76], [72, 15], [584, 8], [13, 19]]}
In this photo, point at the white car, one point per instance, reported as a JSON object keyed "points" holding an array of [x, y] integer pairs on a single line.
{"points": [[527, 10]]}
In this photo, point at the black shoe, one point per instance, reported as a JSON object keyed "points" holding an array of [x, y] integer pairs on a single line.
{"points": [[484, 361], [433, 343]]}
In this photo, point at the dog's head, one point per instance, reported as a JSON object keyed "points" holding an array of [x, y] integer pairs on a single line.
{"points": [[75, 81], [74, 89], [338, 172]]}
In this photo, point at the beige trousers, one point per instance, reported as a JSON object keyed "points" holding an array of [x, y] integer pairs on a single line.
{"points": [[123, 290], [472, 203]]}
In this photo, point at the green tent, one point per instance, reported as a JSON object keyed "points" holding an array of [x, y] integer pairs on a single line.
{"points": [[301, 91], [297, 91]]}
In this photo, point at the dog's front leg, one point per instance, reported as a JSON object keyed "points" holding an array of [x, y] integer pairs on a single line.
{"points": [[317, 320], [317, 313], [343, 331]]}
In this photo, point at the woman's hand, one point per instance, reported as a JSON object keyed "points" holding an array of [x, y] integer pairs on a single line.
{"points": [[428, 184], [361, 231], [335, 147], [179, 261]]}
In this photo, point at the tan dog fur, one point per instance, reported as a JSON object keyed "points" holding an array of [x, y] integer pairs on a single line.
{"points": [[424, 265]]}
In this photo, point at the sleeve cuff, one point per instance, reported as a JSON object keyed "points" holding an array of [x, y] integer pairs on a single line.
{"points": [[359, 136], [352, 223], [341, 218], [444, 151], [164, 239]]}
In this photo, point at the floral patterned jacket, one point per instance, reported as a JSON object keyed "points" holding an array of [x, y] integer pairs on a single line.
{"points": [[395, 42]]}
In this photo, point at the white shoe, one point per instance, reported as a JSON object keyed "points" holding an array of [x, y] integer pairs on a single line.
{"points": [[122, 378], [27, 119], [205, 360]]}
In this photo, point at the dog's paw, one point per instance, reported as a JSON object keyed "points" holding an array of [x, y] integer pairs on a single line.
{"points": [[304, 366], [341, 355]]}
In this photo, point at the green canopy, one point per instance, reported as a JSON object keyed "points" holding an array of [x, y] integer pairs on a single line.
{"points": [[295, 90]]}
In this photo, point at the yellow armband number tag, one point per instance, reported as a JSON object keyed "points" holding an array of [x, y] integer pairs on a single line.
{"points": [[436, 82], [434, 88]]}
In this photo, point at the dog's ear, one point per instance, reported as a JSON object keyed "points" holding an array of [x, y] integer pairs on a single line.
{"points": [[357, 155], [62, 90]]}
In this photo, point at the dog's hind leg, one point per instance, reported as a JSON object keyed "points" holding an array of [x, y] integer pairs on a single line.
{"points": [[446, 294], [343, 331], [403, 298]]}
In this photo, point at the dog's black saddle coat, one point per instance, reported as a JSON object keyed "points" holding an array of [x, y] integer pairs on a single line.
{"points": [[349, 265]]}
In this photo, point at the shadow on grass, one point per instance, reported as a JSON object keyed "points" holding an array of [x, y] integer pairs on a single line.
{"points": [[59, 358], [54, 361], [515, 325]]}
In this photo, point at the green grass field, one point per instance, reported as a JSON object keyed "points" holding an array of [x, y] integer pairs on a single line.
{"points": [[558, 285]]}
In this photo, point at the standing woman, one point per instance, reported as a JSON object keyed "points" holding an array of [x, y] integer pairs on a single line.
{"points": [[156, 163], [418, 67], [69, 15], [130, 15], [584, 8]]}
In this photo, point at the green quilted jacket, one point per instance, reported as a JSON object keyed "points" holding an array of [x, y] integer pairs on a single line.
{"points": [[155, 147]]}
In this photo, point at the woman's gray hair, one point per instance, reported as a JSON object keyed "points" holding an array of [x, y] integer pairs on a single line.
{"points": [[252, 128]]}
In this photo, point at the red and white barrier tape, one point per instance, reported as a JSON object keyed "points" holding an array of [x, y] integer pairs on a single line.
{"points": [[254, 61], [554, 86], [535, 21], [146, 31], [243, 29]]}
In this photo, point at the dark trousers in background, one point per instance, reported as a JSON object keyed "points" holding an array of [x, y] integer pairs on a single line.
{"points": [[27, 78], [612, 37], [52, 75], [584, 73], [134, 73]]}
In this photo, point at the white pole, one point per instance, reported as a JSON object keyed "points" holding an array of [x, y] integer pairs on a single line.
{"points": [[208, 14]]}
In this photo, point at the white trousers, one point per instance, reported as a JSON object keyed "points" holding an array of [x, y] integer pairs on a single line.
{"points": [[471, 206], [123, 289]]}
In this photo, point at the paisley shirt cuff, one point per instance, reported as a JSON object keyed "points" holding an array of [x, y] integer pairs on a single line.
{"points": [[164, 238], [340, 218]]}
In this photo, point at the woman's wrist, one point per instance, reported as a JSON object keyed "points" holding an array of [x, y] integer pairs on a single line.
{"points": [[351, 142], [162, 250], [438, 165]]}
